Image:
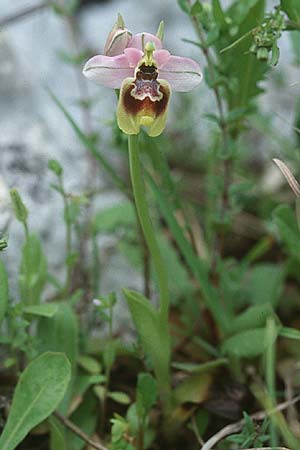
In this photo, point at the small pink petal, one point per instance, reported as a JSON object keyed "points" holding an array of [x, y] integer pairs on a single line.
{"points": [[136, 41], [183, 74], [134, 56], [161, 57], [108, 70]]}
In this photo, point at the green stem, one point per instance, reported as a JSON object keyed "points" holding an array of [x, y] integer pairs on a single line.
{"points": [[270, 375], [68, 235], [145, 221]]}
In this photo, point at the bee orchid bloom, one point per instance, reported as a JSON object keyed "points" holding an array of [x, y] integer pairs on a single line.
{"points": [[146, 74]]}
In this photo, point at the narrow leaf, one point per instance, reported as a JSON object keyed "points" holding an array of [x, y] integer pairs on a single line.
{"points": [[154, 336], [44, 310]]}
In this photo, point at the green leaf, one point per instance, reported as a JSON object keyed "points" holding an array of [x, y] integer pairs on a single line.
{"points": [[89, 363], [41, 387], [247, 344], [118, 216], [119, 397], [249, 71], [285, 220], [33, 271], [198, 267], [253, 317], [291, 8], [185, 6], [153, 334], [55, 167], [218, 14], [57, 435], [43, 310], [4, 294], [83, 382], [146, 393], [265, 284], [290, 333], [59, 333], [19, 207]]}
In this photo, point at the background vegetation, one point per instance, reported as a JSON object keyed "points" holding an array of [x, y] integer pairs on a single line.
{"points": [[231, 247]]}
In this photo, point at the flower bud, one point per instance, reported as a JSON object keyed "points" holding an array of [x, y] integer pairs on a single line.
{"points": [[19, 208], [117, 39], [262, 54]]}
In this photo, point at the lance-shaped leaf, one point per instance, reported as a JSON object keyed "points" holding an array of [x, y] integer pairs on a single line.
{"points": [[153, 334], [41, 387]]}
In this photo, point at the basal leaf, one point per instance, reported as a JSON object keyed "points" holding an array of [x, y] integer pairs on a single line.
{"points": [[265, 284], [41, 387], [60, 333], [146, 393], [152, 332], [247, 344], [253, 317]]}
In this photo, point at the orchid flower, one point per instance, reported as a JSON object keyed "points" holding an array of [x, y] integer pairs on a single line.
{"points": [[145, 73]]}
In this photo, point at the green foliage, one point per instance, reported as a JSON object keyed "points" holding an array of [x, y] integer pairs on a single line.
{"points": [[36, 396], [253, 317], [233, 291], [114, 218], [252, 434], [265, 284], [59, 333], [119, 397], [33, 271], [19, 207], [84, 417], [291, 8], [146, 393], [4, 292], [44, 310], [286, 222], [246, 344], [55, 167], [154, 337], [57, 435], [90, 364]]}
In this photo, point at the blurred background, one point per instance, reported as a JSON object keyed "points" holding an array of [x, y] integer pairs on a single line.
{"points": [[40, 48]]}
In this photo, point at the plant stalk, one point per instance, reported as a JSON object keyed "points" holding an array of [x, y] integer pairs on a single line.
{"points": [[145, 221]]}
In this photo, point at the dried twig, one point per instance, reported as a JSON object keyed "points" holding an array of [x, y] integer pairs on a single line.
{"points": [[23, 13], [293, 183], [237, 426], [71, 426]]}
